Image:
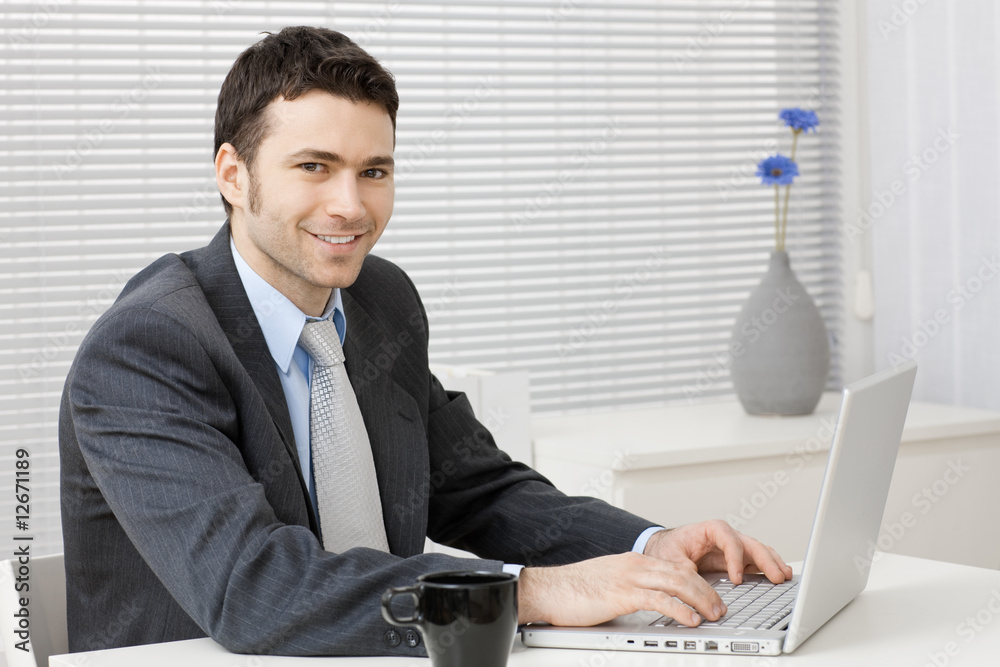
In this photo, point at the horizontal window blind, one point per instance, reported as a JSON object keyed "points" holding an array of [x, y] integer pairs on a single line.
{"points": [[575, 186], [575, 189]]}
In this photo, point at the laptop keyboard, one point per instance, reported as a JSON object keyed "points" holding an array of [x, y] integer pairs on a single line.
{"points": [[751, 605]]}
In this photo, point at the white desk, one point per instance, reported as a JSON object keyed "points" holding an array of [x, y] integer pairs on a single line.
{"points": [[686, 463], [912, 609]]}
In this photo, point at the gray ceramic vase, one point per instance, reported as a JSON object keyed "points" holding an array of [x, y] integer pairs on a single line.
{"points": [[780, 347]]}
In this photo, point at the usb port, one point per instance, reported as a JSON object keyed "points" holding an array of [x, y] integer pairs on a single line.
{"points": [[690, 646], [669, 644], [651, 643]]}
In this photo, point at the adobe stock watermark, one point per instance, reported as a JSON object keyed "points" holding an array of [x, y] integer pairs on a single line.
{"points": [[751, 330], [120, 109], [453, 118], [563, 518], [113, 633], [451, 290], [377, 23], [223, 7], [277, 639], [391, 349], [564, 9], [913, 169], [967, 630], [597, 318], [768, 489], [56, 341], [552, 189], [29, 29], [202, 200], [599, 485], [708, 33], [923, 502], [468, 448], [746, 171], [899, 16], [959, 296]]}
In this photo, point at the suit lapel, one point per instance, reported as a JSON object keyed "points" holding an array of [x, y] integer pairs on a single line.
{"points": [[395, 429], [221, 284]]}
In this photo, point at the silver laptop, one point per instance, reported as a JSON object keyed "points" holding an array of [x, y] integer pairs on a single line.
{"points": [[768, 619]]}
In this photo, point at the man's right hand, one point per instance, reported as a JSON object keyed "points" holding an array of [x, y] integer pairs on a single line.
{"points": [[600, 589], [666, 581]]}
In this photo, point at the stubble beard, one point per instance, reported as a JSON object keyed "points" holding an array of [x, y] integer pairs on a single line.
{"points": [[253, 192]]}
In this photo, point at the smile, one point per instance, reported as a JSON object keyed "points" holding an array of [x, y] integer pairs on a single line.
{"points": [[336, 239]]}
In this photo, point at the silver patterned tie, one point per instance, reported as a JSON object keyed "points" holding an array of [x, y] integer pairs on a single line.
{"points": [[350, 511]]}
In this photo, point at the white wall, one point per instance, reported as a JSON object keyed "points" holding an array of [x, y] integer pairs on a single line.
{"points": [[933, 77], [858, 333]]}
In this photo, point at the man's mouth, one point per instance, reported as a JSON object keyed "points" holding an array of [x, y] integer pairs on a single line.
{"points": [[336, 239]]}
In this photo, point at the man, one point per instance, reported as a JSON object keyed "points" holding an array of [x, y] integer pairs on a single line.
{"points": [[195, 497]]}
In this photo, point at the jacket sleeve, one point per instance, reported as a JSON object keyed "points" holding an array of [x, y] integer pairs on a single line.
{"points": [[491, 505]]}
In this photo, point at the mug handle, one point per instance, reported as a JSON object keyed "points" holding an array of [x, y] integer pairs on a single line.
{"points": [[387, 597]]}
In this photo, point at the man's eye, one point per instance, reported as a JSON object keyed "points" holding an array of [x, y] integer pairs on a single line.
{"points": [[374, 173], [311, 167]]}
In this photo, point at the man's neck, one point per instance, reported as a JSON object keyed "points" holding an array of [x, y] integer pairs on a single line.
{"points": [[312, 301]]}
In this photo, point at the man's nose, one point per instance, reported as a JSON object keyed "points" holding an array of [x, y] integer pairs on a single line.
{"points": [[343, 199]]}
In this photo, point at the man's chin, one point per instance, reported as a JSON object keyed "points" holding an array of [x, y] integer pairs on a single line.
{"points": [[341, 279]]}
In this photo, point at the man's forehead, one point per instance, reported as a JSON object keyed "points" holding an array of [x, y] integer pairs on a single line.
{"points": [[285, 114]]}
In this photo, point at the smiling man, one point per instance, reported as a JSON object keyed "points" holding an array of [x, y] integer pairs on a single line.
{"points": [[204, 490]]}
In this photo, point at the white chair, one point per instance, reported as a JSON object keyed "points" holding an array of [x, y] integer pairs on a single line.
{"points": [[46, 611]]}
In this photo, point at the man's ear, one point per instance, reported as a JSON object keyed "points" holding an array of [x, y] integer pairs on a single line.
{"points": [[230, 176]]}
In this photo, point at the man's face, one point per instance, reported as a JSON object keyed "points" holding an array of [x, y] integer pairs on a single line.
{"points": [[319, 195]]}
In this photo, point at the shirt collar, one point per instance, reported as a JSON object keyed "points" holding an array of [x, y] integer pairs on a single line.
{"points": [[280, 320]]}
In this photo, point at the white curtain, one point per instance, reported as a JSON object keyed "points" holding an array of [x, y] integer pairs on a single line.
{"points": [[933, 84]]}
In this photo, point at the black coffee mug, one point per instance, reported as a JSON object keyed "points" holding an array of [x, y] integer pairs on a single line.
{"points": [[466, 617]]}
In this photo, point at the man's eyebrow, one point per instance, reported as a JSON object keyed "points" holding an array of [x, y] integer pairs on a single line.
{"points": [[315, 154], [379, 161]]}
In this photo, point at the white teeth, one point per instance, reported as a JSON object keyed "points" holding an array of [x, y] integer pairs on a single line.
{"points": [[336, 239]]}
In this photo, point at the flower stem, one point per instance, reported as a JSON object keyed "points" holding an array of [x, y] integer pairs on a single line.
{"points": [[795, 142], [788, 192], [778, 244], [784, 217]]}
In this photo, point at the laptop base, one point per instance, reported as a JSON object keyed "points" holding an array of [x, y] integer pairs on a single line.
{"points": [[715, 641]]}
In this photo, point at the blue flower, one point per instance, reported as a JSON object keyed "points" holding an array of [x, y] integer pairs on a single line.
{"points": [[777, 170], [799, 119]]}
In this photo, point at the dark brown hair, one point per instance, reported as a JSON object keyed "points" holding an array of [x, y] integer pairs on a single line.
{"points": [[289, 64]]}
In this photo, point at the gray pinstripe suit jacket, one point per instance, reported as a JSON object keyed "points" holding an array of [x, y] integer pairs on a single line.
{"points": [[184, 510]]}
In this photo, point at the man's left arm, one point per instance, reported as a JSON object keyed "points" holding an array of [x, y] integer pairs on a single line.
{"points": [[488, 504]]}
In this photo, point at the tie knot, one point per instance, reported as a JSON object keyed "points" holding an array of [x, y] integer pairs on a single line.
{"points": [[321, 340]]}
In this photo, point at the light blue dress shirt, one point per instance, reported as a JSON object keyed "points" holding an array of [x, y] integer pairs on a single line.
{"points": [[281, 322]]}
